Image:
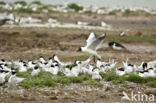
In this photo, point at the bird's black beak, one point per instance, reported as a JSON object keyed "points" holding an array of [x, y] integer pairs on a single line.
{"points": [[79, 49]]}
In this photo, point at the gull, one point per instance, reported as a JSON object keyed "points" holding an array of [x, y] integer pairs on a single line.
{"points": [[5, 67], [128, 68], [31, 64], [53, 69], [50, 61], [73, 71], [141, 74], [13, 80], [56, 69], [151, 71], [93, 44], [22, 67], [35, 71], [42, 60], [105, 66], [140, 67], [84, 63], [152, 64], [120, 71], [146, 74], [56, 59], [95, 74], [3, 74], [67, 71], [76, 69], [99, 63]]}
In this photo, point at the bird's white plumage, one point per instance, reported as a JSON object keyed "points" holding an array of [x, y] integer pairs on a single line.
{"points": [[13, 80], [91, 38], [93, 44]]}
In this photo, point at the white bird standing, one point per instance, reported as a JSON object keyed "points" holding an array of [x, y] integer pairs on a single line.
{"points": [[42, 60], [35, 71], [120, 71], [95, 74], [93, 44], [59, 62], [84, 63], [128, 68], [13, 80], [3, 74]]}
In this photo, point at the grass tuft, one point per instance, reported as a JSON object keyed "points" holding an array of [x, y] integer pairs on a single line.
{"points": [[24, 74], [60, 74], [65, 80], [109, 76], [134, 78], [117, 81], [43, 79], [151, 83], [94, 83], [125, 85]]}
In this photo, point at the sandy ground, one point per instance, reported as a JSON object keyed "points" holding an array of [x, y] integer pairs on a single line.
{"points": [[31, 43]]}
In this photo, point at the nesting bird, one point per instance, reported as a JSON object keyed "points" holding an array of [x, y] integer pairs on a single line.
{"points": [[13, 79], [35, 71]]}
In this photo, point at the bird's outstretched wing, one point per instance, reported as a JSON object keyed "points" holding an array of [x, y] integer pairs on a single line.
{"points": [[100, 44], [96, 44], [91, 38], [85, 63]]}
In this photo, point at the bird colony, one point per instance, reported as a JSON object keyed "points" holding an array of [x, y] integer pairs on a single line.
{"points": [[37, 7], [53, 65]]}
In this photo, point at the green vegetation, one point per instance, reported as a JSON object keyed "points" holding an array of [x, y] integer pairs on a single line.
{"points": [[75, 7], [135, 78], [60, 74], [24, 74], [20, 2], [93, 82], [36, 2], [44, 79], [151, 83], [117, 81], [79, 79], [47, 79], [132, 38], [88, 12], [125, 85], [127, 12], [2, 3], [23, 10], [109, 76]]}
